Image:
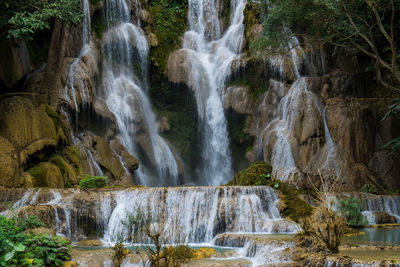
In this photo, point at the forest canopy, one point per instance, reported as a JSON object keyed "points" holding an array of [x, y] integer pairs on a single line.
{"points": [[22, 18], [368, 27]]}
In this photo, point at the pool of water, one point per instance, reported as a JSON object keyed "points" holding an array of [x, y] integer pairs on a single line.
{"points": [[376, 236]]}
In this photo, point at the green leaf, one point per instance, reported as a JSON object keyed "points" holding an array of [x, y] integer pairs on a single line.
{"points": [[9, 255], [19, 247]]}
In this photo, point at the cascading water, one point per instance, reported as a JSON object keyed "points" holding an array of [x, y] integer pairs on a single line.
{"points": [[125, 52], [278, 142], [187, 214], [73, 85], [210, 57]]}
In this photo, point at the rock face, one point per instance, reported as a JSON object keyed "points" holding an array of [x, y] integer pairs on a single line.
{"points": [[14, 61]]}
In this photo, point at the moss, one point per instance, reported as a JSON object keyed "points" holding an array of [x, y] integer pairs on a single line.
{"points": [[169, 23], [295, 207], [252, 16], [254, 75], [53, 115], [39, 175], [258, 173]]}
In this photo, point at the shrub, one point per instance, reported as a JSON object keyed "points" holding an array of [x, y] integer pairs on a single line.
{"points": [[19, 247], [322, 231], [93, 182], [350, 210]]}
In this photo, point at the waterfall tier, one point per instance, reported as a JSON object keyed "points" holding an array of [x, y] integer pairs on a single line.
{"points": [[189, 214]]}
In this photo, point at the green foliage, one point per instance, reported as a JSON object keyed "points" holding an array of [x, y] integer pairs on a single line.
{"points": [[19, 247], [350, 210], [258, 173], [169, 23], [367, 188], [93, 182], [22, 18]]}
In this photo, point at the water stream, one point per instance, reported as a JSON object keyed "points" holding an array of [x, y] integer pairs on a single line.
{"points": [[125, 53], [210, 56]]}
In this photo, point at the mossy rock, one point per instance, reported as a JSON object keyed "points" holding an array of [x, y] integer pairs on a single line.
{"points": [[253, 175], [67, 170], [47, 174], [8, 163]]}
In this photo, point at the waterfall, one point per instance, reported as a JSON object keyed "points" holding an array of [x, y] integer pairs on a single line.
{"points": [[124, 75], [279, 141], [75, 84], [186, 214], [388, 204], [210, 57]]}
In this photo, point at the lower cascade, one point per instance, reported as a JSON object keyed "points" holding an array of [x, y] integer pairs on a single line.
{"points": [[188, 215]]}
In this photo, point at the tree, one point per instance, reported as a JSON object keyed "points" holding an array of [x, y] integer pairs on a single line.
{"points": [[365, 27], [22, 18]]}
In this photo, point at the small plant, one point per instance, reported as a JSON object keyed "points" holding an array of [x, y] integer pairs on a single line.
{"points": [[350, 210], [93, 182], [20, 247], [367, 188]]}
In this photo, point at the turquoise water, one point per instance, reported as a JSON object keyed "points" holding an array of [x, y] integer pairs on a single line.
{"points": [[376, 236]]}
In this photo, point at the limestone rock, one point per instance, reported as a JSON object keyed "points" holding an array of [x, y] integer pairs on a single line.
{"points": [[47, 174], [239, 99], [131, 162], [153, 40], [178, 67], [352, 127], [45, 213], [14, 60], [145, 16], [107, 158], [8, 163], [34, 125]]}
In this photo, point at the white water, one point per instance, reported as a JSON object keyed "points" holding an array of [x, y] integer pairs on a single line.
{"points": [[278, 142], [186, 214], [388, 204], [79, 86], [210, 56], [125, 46], [195, 215]]}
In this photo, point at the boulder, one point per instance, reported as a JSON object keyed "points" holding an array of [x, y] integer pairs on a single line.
{"points": [[131, 162], [107, 158], [145, 16], [45, 213], [47, 174], [239, 99], [383, 217], [178, 67], [34, 129], [43, 231], [153, 40]]}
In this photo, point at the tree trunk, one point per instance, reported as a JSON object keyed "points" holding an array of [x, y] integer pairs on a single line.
{"points": [[55, 60]]}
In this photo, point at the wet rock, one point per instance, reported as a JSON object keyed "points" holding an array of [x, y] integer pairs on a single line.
{"points": [[45, 213]]}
